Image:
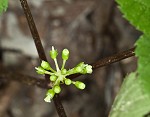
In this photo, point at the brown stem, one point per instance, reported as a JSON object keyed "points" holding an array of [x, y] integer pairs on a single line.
{"points": [[58, 107], [15, 76], [33, 30], [109, 60], [7, 75], [40, 49], [114, 58]]}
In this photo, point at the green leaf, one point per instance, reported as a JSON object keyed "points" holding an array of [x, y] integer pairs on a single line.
{"points": [[131, 100], [145, 2], [143, 53], [3, 5], [137, 12]]}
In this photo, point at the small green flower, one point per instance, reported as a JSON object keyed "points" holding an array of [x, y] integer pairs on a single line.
{"points": [[53, 53], [63, 71], [40, 70], [49, 95], [45, 65], [57, 89], [60, 75], [89, 69], [68, 81], [81, 64], [79, 85], [65, 54], [47, 98], [78, 69], [53, 78]]}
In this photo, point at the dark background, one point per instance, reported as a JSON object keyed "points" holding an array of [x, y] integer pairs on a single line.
{"points": [[90, 29]]}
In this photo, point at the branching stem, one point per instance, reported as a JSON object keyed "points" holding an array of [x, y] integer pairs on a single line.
{"points": [[11, 75], [114, 58], [40, 49], [109, 60], [42, 83]]}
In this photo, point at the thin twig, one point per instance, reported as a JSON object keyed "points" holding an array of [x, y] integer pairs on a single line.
{"points": [[10, 50], [40, 49], [109, 60], [114, 58], [9, 75], [33, 30]]}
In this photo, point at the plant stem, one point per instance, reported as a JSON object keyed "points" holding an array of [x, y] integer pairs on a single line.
{"points": [[63, 64], [114, 58], [33, 30], [109, 60], [58, 106], [40, 49], [8, 75], [56, 64]]}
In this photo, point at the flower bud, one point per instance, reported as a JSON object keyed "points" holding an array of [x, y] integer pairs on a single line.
{"points": [[53, 78], [53, 53], [40, 70], [45, 65], [88, 69], [79, 85], [81, 64], [65, 54], [57, 89], [50, 93], [47, 98], [68, 81], [78, 69], [64, 71]]}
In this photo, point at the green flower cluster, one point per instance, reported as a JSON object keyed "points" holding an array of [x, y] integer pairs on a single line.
{"points": [[59, 76]]}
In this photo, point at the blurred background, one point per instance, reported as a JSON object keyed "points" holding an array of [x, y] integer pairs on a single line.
{"points": [[90, 29]]}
